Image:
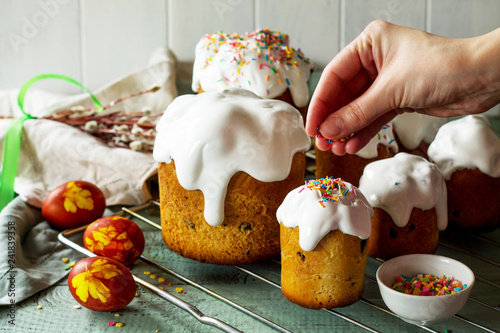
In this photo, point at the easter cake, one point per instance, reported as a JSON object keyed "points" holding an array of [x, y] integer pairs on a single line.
{"points": [[324, 225], [408, 196], [467, 152], [415, 131], [226, 161], [260, 61]]}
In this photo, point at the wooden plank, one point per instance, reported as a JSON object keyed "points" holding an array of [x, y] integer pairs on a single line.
{"points": [[39, 37], [119, 38], [313, 26], [359, 13], [189, 20]]}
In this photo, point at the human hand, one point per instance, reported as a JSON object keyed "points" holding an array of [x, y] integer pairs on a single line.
{"points": [[389, 69]]}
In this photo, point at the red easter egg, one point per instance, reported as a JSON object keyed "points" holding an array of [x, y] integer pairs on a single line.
{"points": [[101, 284], [73, 204], [115, 237]]}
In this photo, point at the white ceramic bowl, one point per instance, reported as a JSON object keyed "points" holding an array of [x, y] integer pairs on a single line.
{"points": [[423, 310]]}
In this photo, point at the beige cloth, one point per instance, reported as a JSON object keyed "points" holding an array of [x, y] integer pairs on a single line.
{"points": [[53, 153]]}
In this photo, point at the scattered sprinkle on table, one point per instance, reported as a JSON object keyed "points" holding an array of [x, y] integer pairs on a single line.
{"points": [[153, 276], [161, 280], [147, 273], [39, 307], [71, 264], [77, 306], [111, 323], [427, 285], [179, 290], [117, 315], [120, 324], [65, 260]]}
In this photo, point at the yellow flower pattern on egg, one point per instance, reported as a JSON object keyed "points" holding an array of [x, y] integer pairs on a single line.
{"points": [[77, 197], [88, 284], [115, 237]]}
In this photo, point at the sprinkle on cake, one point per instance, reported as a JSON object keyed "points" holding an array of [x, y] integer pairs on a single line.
{"points": [[331, 189], [260, 61]]}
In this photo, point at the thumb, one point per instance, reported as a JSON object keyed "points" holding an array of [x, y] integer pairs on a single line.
{"points": [[359, 113]]}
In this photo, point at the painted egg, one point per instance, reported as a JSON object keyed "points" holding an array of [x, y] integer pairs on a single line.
{"points": [[101, 284], [73, 204], [115, 237]]}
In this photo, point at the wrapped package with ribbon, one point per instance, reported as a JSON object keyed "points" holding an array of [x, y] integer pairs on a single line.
{"points": [[107, 142]]}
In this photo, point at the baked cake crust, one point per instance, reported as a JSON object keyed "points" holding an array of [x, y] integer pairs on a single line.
{"points": [[419, 235], [249, 232], [338, 263]]}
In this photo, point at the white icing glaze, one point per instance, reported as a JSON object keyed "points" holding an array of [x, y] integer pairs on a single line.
{"points": [[351, 214], [213, 135], [403, 182], [466, 143], [259, 61], [414, 128], [384, 137]]}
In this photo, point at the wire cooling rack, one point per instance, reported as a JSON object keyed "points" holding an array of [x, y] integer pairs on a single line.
{"points": [[479, 251]]}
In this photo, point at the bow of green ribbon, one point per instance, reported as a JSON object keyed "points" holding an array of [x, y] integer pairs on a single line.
{"points": [[12, 144]]}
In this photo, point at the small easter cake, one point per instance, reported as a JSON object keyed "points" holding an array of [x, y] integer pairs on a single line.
{"points": [[260, 61], [408, 196], [323, 228], [467, 152], [350, 167], [226, 161], [415, 131]]}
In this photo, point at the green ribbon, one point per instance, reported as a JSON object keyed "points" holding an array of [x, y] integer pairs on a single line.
{"points": [[13, 137]]}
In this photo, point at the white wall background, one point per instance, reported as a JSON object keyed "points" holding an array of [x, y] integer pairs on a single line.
{"points": [[96, 41]]}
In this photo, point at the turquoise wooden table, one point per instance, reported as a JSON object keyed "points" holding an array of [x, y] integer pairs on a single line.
{"points": [[249, 299]]}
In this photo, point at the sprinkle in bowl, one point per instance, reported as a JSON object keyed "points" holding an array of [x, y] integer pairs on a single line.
{"points": [[418, 309]]}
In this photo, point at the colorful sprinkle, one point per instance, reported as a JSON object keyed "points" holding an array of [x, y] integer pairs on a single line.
{"points": [[120, 324], [321, 137], [65, 260], [331, 189], [427, 285], [179, 290]]}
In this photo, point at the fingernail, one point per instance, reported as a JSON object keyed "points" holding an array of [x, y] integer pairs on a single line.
{"points": [[332, 128]]}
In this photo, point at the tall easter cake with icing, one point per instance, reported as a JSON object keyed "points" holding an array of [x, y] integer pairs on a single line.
{"points": [[324, 225], [260, 61], [408, 196], [467, 152], [226, 161], [350, 167]]}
